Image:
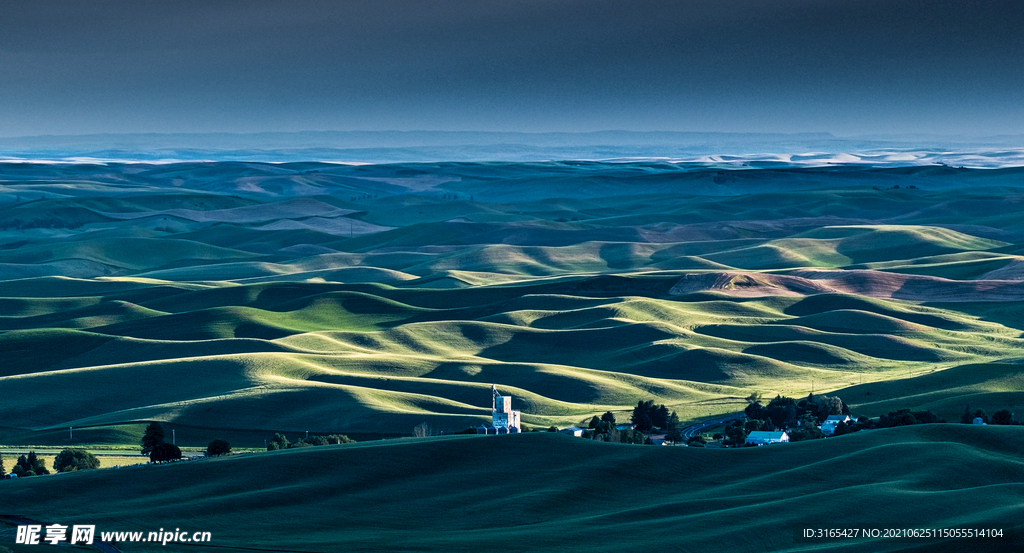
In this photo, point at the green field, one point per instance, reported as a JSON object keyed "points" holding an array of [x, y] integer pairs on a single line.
{"points": [[547, 492], [237, 300]]}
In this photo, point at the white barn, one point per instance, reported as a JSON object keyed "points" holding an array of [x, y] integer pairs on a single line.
{"points": [[828, 426], [759, 437]]}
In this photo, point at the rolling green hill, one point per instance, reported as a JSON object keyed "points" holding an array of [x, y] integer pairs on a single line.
{"points": [[250, 297], [236, 300], [549, 492]]}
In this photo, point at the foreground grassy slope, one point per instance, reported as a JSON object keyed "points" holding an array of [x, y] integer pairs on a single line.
{"points": [[538, 492]]}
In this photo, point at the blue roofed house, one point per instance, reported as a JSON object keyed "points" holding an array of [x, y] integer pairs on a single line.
{"points": [[828, 426]]}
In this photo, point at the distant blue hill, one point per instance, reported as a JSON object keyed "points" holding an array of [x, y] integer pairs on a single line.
{"points": [[426, 146]]}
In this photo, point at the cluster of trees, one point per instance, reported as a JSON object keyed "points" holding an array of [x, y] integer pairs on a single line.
{"points": [[783, 411], [603, 429], [218, 447], [155, 447], [70, 460], [26, 465], [1004, 417], [153, 444], [800, 419], [67, 460], [900, 417], [280, 441], [647, 418], [906, 417]]}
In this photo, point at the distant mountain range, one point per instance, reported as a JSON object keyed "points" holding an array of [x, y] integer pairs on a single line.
{"points": [[413, 146]]}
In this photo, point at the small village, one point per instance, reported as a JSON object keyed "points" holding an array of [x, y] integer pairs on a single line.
{"points": [[782, 420]]}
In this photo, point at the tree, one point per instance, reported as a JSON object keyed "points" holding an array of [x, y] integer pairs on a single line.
{"points": [[926, 417], [674, 436], [594, 422], [29, 465], [781, 410], [633, 437], [608, 416], [659, 416], [3, 471], [756, 411], [35, 464], [552, 429], [999, 417], [279, 441], [642, 407], [602, 428], [165, 452], [70, 460], [672, 426], [217, 447], [902, 417], [153, 437], [643, 423], [735, 433], [966, 418], [753, 425], [806, 430], [827, 406]]}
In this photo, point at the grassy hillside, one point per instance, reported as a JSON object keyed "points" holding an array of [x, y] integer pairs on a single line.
{"points": [[289, 356], [236, 300], [547, 492], [991, 387], [247, 298]]}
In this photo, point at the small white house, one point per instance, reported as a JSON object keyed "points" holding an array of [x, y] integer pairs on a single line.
{"points": [[573, 431], [658, 439], [828, 427], [759, 437]]}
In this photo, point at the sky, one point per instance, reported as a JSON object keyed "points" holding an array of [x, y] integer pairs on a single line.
{"points": [[849, 67]]}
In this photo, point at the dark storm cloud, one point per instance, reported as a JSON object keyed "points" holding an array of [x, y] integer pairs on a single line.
{"points": [[840, 66]]}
